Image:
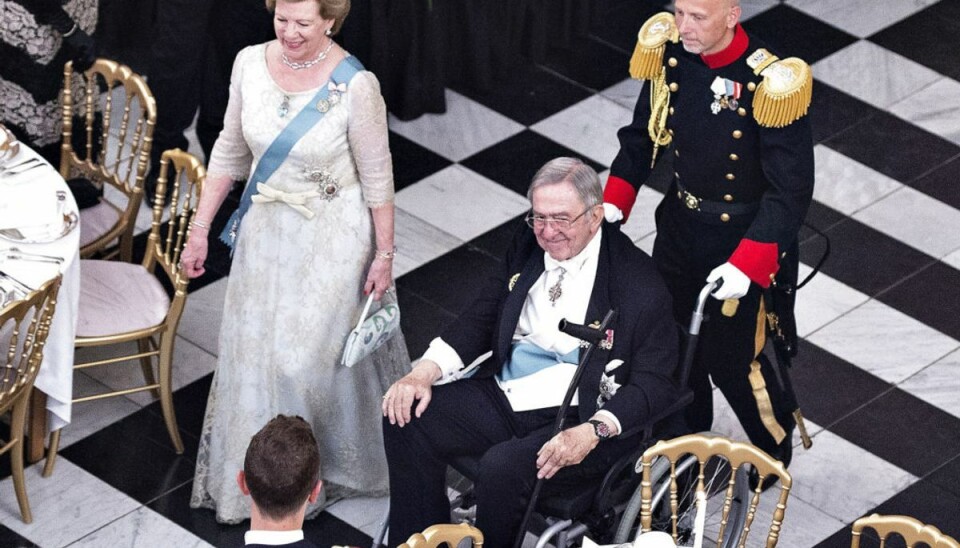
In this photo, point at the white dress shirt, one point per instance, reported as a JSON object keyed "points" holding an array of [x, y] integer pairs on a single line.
{"points": [[272, 538]]}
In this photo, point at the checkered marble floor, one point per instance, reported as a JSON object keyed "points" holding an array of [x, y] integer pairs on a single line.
{"points": [[879, 367]]}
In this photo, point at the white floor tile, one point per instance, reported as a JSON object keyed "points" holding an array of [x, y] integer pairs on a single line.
{"points": [[935, 108], [843, 480], [938, 384], [804, 524], [823, 300], [461, 202], [884, 341], [465, 129], [366, 514], [860, 17], [588, 127], [624, 93], [89, 417], [953, 259], [142, 528], [752, 8], [874, 74], [418, 242], [202, 315], [641, 223], [67, 506], [845, 184], [909, 215]]}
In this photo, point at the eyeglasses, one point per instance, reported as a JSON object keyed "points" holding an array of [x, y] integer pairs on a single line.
{"points": [[560, 223]]}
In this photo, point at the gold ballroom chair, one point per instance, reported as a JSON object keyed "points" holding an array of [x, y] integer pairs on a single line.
{"points": [[113, 158], [445, 533], [912, 530], [24, 326], [735, 455], [122, 302]]}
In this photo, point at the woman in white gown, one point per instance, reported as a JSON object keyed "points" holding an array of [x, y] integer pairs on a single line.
{"points": [[317, 237]]}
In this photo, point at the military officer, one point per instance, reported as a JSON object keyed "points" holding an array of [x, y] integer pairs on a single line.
{"points": [[732, 115]]}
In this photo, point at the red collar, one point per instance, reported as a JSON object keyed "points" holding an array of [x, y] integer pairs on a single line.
{"points": [[731, 53]]}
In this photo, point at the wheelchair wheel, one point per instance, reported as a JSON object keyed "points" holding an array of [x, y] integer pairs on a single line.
{"points": [[716, 478]]}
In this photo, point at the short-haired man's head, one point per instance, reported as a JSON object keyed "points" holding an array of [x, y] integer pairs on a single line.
{"points": [[583, 178], [282, 466]]}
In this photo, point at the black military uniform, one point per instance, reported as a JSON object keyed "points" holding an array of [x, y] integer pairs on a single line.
{"points": [[742, 150]]}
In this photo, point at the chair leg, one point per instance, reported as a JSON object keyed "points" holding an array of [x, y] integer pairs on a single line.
{"points": [[146, 365], [166, 391], [125, 247], [16, 458], [52, 453]]}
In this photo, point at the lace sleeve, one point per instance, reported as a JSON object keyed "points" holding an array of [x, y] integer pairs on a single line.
{"points": [[231, 156], [367, 133]]}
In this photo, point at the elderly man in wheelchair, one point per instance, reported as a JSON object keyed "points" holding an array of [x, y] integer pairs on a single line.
{"points": [[566, 264]]}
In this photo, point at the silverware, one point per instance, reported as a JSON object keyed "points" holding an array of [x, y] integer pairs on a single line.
{"points": [[20, 285], [17, 253], [25, 162], [19, 170]]}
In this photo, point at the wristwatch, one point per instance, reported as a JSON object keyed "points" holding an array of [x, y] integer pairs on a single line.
{"points": [[601, 429]]}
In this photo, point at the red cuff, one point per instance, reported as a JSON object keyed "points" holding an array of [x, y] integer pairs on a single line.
{"points": [[621, 194], [758, 260]]}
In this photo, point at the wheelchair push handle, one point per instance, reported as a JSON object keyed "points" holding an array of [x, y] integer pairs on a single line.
{"points": [[697, 317]]}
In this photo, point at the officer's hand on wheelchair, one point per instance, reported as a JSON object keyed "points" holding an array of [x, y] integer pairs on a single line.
{"points": [[567, 448], [733, 282], [415, 385]]}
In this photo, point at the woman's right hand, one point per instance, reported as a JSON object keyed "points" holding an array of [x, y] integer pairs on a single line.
{"points": [[195, 253]]}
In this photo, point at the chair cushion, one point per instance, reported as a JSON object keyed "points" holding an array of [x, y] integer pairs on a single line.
{"points": [[118, 298], [96, 221]]}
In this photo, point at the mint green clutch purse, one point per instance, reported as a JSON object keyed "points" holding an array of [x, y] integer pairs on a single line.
{"points": [[371, 332]]}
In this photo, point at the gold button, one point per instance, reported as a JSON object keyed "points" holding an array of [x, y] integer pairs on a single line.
{"points": [[751, 86], [727, 198], [734, 157], [670, 131], [672, 61], [674, 86], [737, 134], [724, 217], [730, 176], [676, 152], [671, 110], [675, 174], [679, 195], [741, 111]]}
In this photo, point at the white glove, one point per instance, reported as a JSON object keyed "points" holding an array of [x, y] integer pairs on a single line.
{"points": [[735, 283], [612, 213]]}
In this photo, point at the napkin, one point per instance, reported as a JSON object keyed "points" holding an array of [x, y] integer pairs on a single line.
{"points": [[29, 206]]}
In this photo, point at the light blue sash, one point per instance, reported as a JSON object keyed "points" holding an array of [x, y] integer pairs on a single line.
{"points": [[278, 150]]}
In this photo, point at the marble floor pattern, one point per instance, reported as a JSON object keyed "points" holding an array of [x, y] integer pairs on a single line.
{"points": [[878, 373]]}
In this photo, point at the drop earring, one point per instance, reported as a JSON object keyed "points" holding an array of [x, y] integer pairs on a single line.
{"points": [[328, 32]]}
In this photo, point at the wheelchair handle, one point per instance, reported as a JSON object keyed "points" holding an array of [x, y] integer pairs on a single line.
{"points": [[697, 317]]}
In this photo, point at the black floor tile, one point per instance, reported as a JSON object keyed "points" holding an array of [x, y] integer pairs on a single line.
{"points": [[121, 453], [929, 502], [324, 530], [590, 62], [190, 403], [948, 476], [893, 147], [925, 37], [421, 321], [528, 94], [942, 183], [833, 111], [864, 258], [905, 431], [617, 23], [514, 161], [412, 162], [792, 33], [822, 383], [9, 539], [496, 242], [937, 307], [452, 281]]}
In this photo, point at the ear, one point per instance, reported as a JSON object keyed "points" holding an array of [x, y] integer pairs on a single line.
{"points": [[316, 492], [734, 16], [242, 483]]}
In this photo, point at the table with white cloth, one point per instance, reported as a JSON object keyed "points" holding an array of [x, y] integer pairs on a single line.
{"points": [[31, 192]]}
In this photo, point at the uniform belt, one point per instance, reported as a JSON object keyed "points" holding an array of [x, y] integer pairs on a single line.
{"points": [[695, 203]]}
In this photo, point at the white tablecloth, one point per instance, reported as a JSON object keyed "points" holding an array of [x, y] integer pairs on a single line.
{"points": [[55, 378]]}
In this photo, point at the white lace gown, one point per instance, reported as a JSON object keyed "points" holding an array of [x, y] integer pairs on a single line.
{"points": [[296, 289]]}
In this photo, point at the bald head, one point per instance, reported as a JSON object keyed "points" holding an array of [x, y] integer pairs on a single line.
{"points": [[706, 26]]}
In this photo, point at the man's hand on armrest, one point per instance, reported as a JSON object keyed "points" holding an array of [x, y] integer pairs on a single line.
{"points": [[415, 385]]}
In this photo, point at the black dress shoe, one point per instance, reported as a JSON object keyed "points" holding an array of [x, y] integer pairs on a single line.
{"points": [[783, 453]]}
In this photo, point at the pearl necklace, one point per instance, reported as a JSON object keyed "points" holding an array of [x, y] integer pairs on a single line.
{"points": [[306, 64]]}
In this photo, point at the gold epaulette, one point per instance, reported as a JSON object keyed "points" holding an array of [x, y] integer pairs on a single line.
{"points": [[647, 57], [784, 95]]}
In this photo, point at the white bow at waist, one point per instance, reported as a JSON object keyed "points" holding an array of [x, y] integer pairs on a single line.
{"points": [[296, 200]]}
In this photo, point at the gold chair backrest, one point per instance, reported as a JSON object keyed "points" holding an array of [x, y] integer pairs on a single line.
{"points": [[912, 530], [114, 157], [444, 533], [185, 174], [703, 447], [24, 326]]}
